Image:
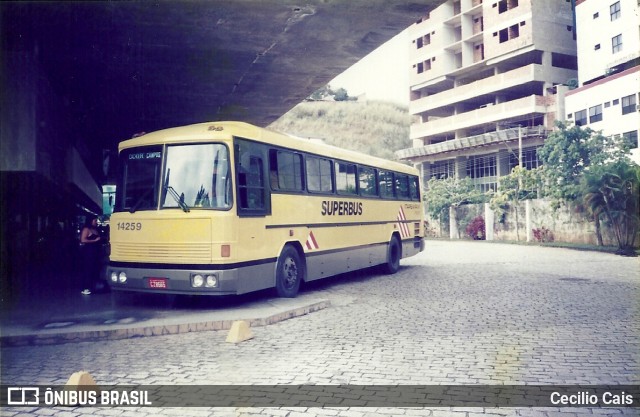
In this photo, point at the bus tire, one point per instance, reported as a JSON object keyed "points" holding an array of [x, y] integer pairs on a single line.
{"points": [[289, 272], [394, 253]]}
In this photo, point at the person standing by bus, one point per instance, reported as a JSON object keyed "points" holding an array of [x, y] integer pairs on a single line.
{"points": [[90, 247]]}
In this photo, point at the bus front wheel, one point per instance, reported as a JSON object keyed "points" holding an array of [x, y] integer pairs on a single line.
{"points": [[289, 273], [394, 253]]}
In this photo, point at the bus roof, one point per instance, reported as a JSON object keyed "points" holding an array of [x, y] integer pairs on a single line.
{"points": [[227, 130]]}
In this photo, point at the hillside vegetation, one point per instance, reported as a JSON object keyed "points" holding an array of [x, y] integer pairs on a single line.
{"points": [[374, 128]]}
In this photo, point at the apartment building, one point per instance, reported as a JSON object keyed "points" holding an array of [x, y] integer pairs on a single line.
{"points": [[608, 98], [487, 83]]}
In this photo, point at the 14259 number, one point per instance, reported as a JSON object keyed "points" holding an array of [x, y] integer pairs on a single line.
{"points": [[129, 226]]}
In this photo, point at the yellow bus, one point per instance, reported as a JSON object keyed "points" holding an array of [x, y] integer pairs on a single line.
{"points": [[228, 208]]}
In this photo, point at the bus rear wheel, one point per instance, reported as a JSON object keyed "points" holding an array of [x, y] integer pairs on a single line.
{"points": [[394, 253], [289, 273]]}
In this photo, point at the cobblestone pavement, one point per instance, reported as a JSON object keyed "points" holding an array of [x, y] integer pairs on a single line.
{"points": [[459, 313]]}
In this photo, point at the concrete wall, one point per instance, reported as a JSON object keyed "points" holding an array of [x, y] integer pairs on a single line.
{"points": [[568, 224]]}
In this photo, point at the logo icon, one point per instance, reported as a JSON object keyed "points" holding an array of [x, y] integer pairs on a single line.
{"points": [[23, 396]]}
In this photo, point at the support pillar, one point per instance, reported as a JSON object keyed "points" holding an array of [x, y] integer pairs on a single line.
{"points": [[527, 218], [453, 224], [460, 167], [489, 220]]}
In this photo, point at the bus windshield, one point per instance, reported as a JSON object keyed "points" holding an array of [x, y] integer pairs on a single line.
{"points": [[199, 175], [141, 178]]}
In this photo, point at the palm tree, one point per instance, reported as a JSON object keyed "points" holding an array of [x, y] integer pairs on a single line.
{"points": [[613, 192]]}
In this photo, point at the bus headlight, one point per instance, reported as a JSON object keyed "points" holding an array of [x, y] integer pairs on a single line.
{"points": [[122, 277], [197, 280], [114, 276], [212, 281]]}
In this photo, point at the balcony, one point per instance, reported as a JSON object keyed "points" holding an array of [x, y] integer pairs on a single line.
{"points": [[470, 142], [513, 109], [489, 85]]}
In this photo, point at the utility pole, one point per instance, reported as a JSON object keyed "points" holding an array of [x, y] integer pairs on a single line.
{"points": [[520, 145]]}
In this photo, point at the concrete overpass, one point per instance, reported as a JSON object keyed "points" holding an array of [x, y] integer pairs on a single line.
{"points": [[105, 70], [78, 77]]}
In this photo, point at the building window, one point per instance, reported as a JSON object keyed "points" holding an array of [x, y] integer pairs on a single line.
{"points": [[504, 35], [442, 170], [478, 24], [505, 5], [607, 104], [420, 67], [596, 15], [616, 44], [423, 41], [614, 10], [596, 47], [481, 166], [581, 118], [483, 171], [595, 113], [514, 31], [616, 102], [629, 104], [486, 187], [529, 159], [631, 138], [456, 8]]}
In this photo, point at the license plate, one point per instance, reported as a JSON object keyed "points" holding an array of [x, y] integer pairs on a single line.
{"points": [[158, 283]]}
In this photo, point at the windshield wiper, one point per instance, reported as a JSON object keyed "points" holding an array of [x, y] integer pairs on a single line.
{"points": [[179, 198], [142, 199]]}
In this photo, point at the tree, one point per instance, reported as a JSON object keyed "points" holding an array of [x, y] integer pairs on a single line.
{"points": [[340, 95], [321, 93], [568, 151], [612, 191], [325, 92], [583, 165], [450, 192], [520, 185]]}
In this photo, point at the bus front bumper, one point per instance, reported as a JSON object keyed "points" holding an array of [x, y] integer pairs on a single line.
{"points": [[172, 281]]}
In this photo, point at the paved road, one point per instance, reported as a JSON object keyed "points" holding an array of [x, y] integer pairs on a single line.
{"points": [[460, 313]]}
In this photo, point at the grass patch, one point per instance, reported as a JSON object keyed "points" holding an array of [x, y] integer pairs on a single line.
{"points": [[375, 128]]}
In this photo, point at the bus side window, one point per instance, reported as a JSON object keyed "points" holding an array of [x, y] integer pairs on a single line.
{"points": [[252, 193], [367, 178], [414, 188], [402, 187], [346, 178], [253, 197], [385, 179], [285, 171], [319, 178]]}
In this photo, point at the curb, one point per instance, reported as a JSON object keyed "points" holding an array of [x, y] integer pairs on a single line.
{"points": [[153, 330]]}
